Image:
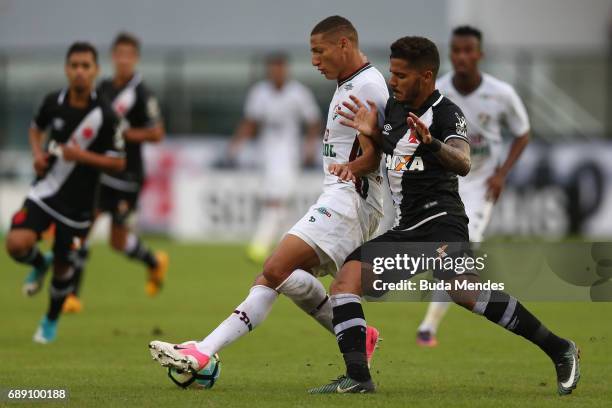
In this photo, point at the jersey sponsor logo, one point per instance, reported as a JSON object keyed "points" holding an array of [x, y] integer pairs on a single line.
{"points": [[348, 87], [153, 109], [460, 125], [405, 163], [312, 219], [326, 135], [328, 150]]}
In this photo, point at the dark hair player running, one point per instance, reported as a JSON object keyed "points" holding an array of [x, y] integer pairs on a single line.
{"points": [[424, 140], [141, 122], [82, 140]]}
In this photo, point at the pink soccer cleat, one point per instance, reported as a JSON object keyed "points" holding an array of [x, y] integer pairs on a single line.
{"points": [[426, 339], [372, 340], [184, 356]]}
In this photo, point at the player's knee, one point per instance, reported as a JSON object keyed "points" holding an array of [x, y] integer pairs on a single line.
{"points": [[18, 246], [275, 271]]}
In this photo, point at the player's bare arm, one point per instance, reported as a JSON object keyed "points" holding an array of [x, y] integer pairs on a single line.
{"points": [[496, 182], [41, 158], [313, 134], [72, 152], [362, 165], [246, 130], [454, 154], [361, 118], [154, 134]]}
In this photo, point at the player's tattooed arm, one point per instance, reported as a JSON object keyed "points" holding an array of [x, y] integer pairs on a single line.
{"points": [[454, 154]]}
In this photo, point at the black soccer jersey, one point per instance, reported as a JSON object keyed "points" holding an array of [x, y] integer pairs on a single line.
{"points": [[422, 189], [134, 103], [67, 189]]}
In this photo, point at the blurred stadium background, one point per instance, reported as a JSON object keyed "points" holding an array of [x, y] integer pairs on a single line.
{"points": [[200, 57]]}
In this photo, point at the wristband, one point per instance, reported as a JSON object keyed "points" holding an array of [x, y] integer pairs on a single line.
{"points": [[434, 146]]}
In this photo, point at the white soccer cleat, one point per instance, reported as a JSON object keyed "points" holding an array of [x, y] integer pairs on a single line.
{"points": [[184, 356]]}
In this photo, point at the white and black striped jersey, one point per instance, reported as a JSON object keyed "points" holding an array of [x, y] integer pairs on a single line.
{"points": [[422, 189], [136, 104], [67, 190]]}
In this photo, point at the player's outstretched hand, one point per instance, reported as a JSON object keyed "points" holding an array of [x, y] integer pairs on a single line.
{"points": [[342, 171], [420, 128], [41, 162], [359, 117]]}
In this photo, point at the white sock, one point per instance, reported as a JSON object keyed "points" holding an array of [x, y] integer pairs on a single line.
{"points": [[270, 222], [248, 315], [435, 313], [309, 294]]}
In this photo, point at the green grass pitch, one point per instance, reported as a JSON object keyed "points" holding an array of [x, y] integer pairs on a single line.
{"points": [[101, 355]]}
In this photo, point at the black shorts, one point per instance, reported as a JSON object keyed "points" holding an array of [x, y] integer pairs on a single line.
{"points": [[119, 204], [67, 238], [439, 244]]}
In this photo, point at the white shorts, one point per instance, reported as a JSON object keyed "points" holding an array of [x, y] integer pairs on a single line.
{"points": [[477, 207], [334, 226]]}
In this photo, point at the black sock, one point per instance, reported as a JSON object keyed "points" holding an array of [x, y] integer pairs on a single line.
{"points": [[350, 328], [79, 265], [506, 311], [60, 288], [34, 258], [137, 250]]}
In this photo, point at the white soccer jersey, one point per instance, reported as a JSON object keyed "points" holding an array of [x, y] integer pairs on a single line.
{"points": [[340, 143], [493, 105], [279, 114]]}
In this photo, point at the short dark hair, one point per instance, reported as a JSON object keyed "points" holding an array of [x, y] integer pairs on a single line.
{"points": [[127, 39], [468, 31], [277, 57], [82, 46], [420, 52], [336, 25]]}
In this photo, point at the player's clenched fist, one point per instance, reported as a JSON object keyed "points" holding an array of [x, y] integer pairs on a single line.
{"points": [[342, 171]]}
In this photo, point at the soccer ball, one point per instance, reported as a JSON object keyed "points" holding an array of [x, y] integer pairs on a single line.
{"points": [[205, 378]]}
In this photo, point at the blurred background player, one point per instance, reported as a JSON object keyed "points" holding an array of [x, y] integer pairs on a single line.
{"points": [[489, 105], [83, 140], [141, 122], [275, 110]]}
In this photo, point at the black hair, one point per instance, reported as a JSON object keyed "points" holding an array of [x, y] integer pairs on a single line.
{"points": [[419, 52], [127, 39], [82, 46], [336, 24], [277, 57], [468, 31]]}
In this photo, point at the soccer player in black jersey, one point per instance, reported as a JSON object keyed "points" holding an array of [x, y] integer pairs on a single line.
{"points": [[141, 123], [82, 140], [424, 140]]}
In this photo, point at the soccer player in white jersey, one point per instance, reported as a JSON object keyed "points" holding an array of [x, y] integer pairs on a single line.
{"points": [[274, 111], [489, 104], [344, 217]]}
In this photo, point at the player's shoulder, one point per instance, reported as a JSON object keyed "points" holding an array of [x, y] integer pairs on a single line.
{"points": [[447, 111], [54, 98], [108, 113], [496, 85], [444, 82], [370, 83]]}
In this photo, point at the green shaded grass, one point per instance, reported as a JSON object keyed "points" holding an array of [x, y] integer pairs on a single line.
{"points": [[101, 355]]}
